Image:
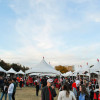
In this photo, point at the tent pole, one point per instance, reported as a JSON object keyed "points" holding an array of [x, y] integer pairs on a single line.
{"points": [[83, 78], [89, 74]]}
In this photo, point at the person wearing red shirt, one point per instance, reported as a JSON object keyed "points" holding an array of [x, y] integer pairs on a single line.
{"points": [[74, 88]]}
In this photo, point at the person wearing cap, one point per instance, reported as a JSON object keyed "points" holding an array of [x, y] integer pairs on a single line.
{"points": [[48, 92]]}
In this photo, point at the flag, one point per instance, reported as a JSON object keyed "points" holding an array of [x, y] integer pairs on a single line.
{"points": [[98, 60], [81, 66], [87, 63]]}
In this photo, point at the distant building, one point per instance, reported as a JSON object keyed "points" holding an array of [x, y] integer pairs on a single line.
{"points": [[70, 68]]}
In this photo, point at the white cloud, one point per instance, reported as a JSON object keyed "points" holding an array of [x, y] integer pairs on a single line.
{"points": [[30, 56], [94, 17], [38, 21]]}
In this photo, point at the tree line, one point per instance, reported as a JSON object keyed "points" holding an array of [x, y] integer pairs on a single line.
{"points": [[16, 67]]}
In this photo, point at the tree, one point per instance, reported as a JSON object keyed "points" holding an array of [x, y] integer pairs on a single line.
{"points": [[4, 65], [61, 68], [16, 67]]}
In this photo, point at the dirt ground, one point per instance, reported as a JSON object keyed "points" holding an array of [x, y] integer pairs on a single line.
{"points": [[28, 93]]}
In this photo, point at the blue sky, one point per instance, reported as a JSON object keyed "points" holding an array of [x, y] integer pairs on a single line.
{"points": [[63, 31]]}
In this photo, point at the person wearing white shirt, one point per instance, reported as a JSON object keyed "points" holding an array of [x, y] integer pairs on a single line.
{"points": [[77, 83], [10, 89], [66, 94]]}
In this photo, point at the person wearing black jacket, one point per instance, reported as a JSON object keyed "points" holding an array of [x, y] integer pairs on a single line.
{"points": [[14, 91], [37, 88], [1, 81], [44, 82], [4, 89], [48, 92], [91, 88]]}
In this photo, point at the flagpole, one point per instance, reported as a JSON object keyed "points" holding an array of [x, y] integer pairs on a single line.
{"points": [[89, 73]]}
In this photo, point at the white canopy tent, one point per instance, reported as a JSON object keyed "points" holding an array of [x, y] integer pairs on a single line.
{"points": [[85, 68], [21, 72], [47, 74], [79, 70], [37, 74], [94, 73], [68, 74], [11, 71], [43, 67], [2, 70], [96, 67]]}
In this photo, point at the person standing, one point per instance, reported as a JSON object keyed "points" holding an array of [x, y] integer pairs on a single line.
{"points": [[82, 94], [21, 81], [91, 90], [48, 93], [4, 89], [10, 89], [74, 88], [14, 90], [44, 82], [66, 93], [1, 82], [37, 88], [77, 83]]}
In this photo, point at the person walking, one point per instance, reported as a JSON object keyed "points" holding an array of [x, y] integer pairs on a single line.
{"points": [[14, 90], [66, 94], [10, 89], [48, 92]]}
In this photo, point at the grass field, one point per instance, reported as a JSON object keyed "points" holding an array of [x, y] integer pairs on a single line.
{"points": [[27, 93]]}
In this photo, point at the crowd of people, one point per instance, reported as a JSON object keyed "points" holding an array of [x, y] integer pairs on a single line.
{"points": [[69, 89], [77, 89], [8, 87]]}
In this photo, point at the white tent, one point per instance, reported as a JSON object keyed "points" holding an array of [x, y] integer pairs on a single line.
{"points": [[2, 70], [68, 74], [85, 68], [65, 74], [37, 74], [21, 72], [11, 71], [47, 74], [79, 70], [94, 72], [43, 67], [96, 67]]}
